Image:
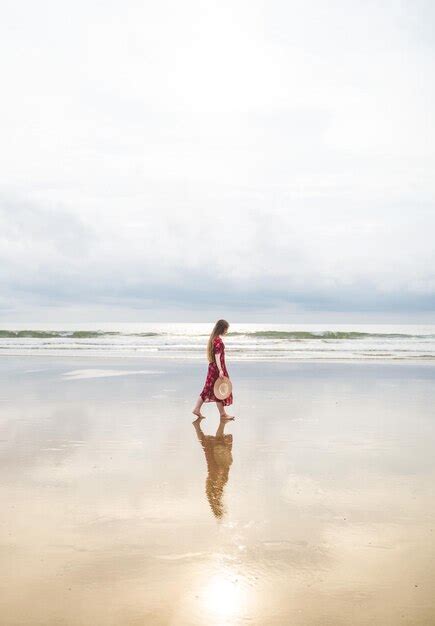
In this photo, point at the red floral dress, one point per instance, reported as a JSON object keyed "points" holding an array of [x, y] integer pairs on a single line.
{"points": [[207, 394]]}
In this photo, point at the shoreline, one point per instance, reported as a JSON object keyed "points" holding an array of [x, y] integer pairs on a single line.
{"points": [[429, 360]]}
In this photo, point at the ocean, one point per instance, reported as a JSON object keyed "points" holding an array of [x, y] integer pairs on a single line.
{"points": [[276, 342]]}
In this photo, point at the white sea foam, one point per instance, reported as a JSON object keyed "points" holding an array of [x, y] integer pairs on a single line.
{"points": [[245, 342], [102, 373]]}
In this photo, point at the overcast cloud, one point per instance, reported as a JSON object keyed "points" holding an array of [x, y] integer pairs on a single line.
{"points": [[192, 160]]}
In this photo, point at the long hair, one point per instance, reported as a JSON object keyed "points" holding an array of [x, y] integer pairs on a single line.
{"points": [[219, 328]]}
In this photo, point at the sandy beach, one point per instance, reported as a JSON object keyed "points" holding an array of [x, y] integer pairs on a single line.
{"points": [[314, 507]]}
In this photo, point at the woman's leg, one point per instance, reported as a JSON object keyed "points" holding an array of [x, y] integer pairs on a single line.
{"points": [[197, 409], [222, 413]]}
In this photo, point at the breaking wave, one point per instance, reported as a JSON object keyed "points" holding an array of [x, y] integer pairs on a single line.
{"points": [[327, 334], [72, 334]]}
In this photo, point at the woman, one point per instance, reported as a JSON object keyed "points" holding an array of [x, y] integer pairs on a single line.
{"points": [[216, 369]]}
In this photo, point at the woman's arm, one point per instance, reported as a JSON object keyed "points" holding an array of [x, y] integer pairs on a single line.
{"points": [[217, 356]]}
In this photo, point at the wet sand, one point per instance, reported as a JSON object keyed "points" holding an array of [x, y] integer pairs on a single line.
{"points": [[315, 507]]}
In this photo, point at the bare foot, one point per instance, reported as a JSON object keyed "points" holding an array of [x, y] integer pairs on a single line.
{"points": [[227, 417], [199, 416]]}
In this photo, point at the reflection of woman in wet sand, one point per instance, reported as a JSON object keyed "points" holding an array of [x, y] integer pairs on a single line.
{"points": [[218, 456]]}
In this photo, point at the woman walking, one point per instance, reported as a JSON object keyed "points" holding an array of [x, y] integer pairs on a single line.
{"points": [[216, 369]]}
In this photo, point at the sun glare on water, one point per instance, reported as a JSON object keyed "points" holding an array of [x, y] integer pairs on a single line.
{"points": [[223, 598]]}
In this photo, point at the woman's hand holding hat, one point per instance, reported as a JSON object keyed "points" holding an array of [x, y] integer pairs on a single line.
{"points": [[222, 388]]}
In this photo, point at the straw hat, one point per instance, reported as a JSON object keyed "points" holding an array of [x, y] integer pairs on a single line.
{"points": [[222, 388]]}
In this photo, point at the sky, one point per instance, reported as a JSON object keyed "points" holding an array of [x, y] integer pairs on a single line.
{"points": [[185, 161]]}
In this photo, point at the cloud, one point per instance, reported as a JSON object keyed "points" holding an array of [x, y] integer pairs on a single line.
{"points": [[235, 155]]}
